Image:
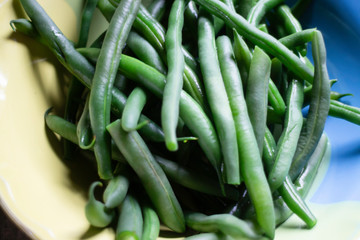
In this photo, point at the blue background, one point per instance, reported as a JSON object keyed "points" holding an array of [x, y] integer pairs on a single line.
{"points": [[339, 21]]}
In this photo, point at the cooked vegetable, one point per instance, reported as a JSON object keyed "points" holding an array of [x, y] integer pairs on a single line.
{"points": [[181, 107]]}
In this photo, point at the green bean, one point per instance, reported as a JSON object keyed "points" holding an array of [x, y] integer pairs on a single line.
{"points": [[344, 111], [132, 110], [61, 126], [243, 56], [151, 226], [72, 105], [233, 87], [115, 191], [291, 24], [258, 11], [305, 180], [269, 150], [150, 131], [295, 202], [106, 8], [95, 211], [67, 130], [157, 8], [192, 179], [263, 40], [76, 88], [57, 42], [218, 100], [25, 26], [275, 99], [103, 80], [145, 51], [318, 111], [263, 28], [84, 132], [151, 175], [174, 80], [288, 140], [298, 38], [224, 223], [86, 17], [257, 93], [130, 221]]}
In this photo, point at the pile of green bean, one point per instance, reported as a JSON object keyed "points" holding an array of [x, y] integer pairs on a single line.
{"points": [[193, 112]]}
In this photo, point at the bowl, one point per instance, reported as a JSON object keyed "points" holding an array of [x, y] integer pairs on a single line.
{"points": [[45, 195]]}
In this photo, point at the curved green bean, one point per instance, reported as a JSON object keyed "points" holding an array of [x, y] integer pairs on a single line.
{"points": [[132, 110], [174, 77], [318, 111], [115, 191], [95, 211]]}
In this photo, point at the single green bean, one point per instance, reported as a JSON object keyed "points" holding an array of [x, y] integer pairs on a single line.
{"points": [[218, 100], [304, 182], [145, 51], [62, 48], [257, 93], [115, 191], [174, 77], [86, 17], [318, 111], [84, 132], [296, 39], [130, 221], [151, 226], [233, 87], [344, 111], [95, 211], [295, 202], [132, 110]]}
